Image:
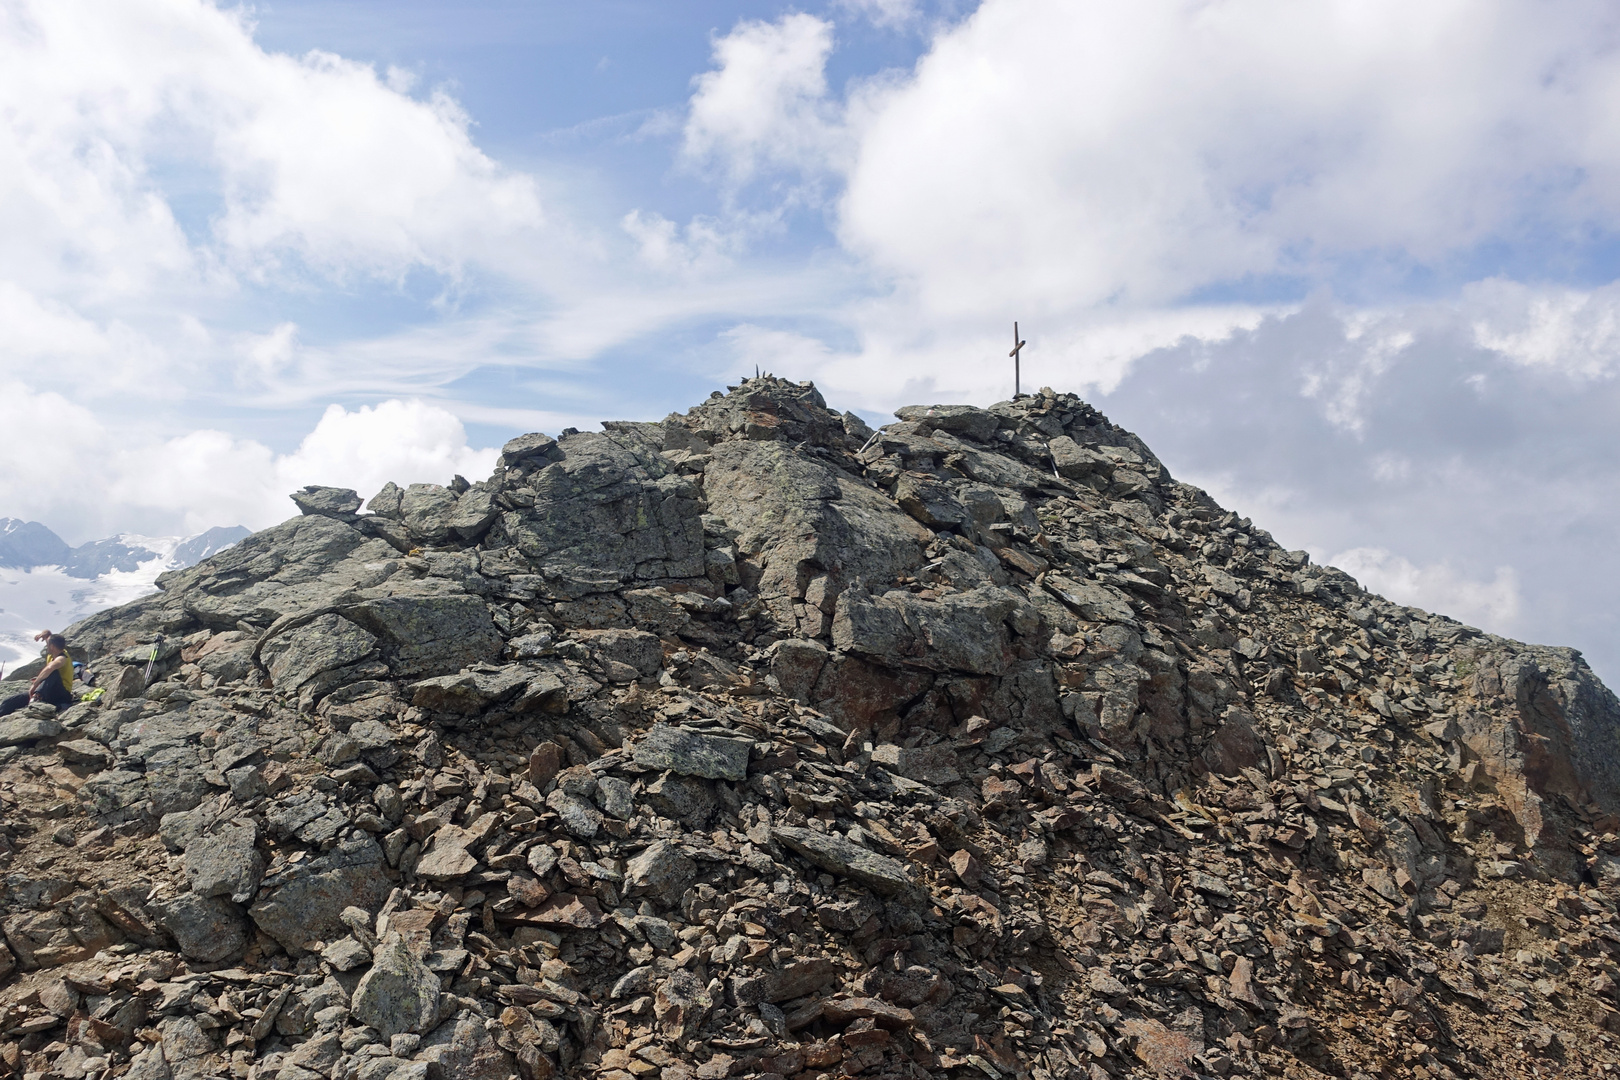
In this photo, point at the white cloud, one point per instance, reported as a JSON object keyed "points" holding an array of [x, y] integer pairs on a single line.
{"points": [[64, 467], [765, 105], [1491, 605], [370, 446], [1460, 460], [317, 158], [884, 13], [1086, 153], [1577, 330]]}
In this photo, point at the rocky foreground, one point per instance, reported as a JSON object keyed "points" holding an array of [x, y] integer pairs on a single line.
{"points": [[756, 743]]}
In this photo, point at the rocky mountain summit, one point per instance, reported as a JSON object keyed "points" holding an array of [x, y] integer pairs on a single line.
{"points": [[755, 743]]}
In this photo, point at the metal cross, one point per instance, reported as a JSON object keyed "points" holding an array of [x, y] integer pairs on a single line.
{"points": [[1018, 345]]}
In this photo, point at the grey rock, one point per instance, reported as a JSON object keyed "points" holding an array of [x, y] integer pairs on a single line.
{"points": [[633, 983], [309, 815], [225, 863], [934, 765], [148, 1064], [662, 869], [692, 753], [474, 513], [470, 691], [636, 649], [305, 902], [346, 954], [840, 856], [315, 1055], [1090, 600], [340, 503], [1077, 462], [186, 1047], [20, 730], [579, 817], [791, 510], [177, 830], [681, 1004], [796, 665], [115, 796], [448, 858], [965, 420], [209, 929], [930, 502], [399, 994], [965, 631], [686, 798], [84, 752], [426, 510], [615, 798], [246, 783], [796, 980], [424, 632], [611, 511], [531, 646], [326, 644], [529, 449], [464, 1050], [386, 502]]}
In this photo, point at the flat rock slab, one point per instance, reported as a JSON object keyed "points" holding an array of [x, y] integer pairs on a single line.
{"points": [[27, 729], [794, 981], [225, 863], [841, 1011], [304, 902], [692, 753], [840, 856], [566, 909]]}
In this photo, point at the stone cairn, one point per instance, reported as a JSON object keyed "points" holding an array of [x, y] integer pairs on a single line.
{"points": [[756, 743]]}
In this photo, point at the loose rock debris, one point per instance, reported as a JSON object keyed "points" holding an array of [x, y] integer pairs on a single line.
{"points": [[759, 743]]}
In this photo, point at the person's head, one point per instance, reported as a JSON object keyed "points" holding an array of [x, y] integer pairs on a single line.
{"points": [[56, 644]]}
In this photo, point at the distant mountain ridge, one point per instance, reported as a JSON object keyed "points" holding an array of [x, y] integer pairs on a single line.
{"points": [[25, 545]]}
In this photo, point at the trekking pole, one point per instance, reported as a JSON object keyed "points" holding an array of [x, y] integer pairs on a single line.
{"points": [[153, 660]]}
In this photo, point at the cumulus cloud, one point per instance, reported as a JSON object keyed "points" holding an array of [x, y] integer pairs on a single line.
{"points": [[1492, 604], [1096, 170], [765, 104], [1576, 330], [1452, 475], [315, 158], [1048, 151], [85, 480]]}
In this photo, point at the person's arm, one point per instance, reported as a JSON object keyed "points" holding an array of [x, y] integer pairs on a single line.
{"points": [[42, 635], [49, 670]]}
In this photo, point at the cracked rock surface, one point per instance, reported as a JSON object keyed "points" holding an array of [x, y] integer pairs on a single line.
{"points": [[756, 742]]}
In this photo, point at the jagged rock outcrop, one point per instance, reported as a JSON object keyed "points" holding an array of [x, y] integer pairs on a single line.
{"points": [[756, 742]]}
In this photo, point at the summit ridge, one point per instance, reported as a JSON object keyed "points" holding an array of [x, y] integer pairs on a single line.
{"points": [[757, 742]]}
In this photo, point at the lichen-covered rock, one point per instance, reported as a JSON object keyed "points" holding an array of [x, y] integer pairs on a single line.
{"points": [[304, 902], [326, 644], [225, 863], [206, 928], [693, 753], [340, 503], [398, 994]]}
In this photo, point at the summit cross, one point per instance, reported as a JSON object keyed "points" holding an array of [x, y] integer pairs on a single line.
{"points": [[1018, 345]]}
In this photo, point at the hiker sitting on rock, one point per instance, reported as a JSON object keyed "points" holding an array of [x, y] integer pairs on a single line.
{"points": [[54, 683]]}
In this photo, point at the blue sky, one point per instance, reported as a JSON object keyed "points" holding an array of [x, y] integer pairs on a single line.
{"points": [[1350, 264]]}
